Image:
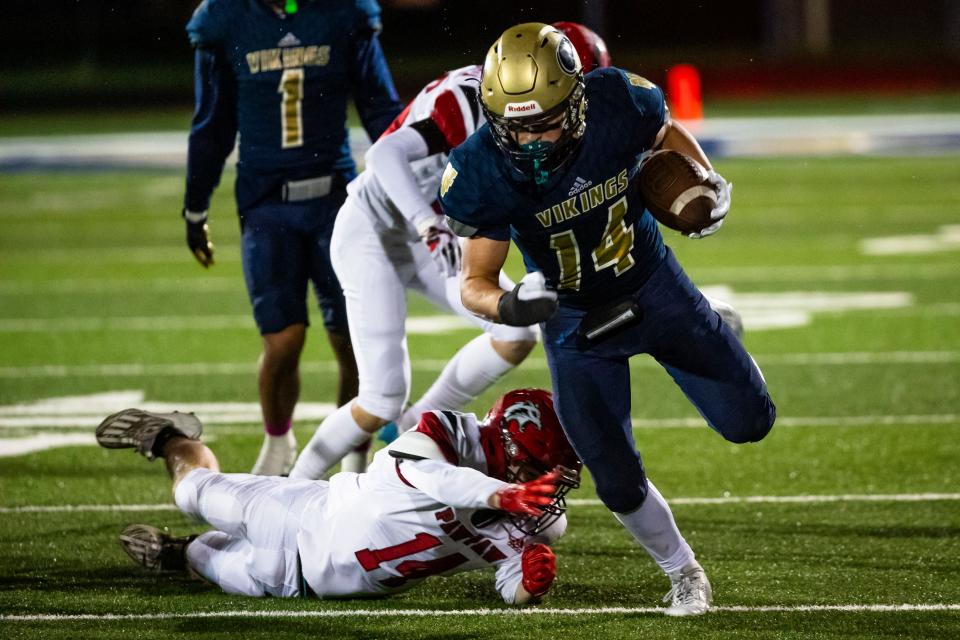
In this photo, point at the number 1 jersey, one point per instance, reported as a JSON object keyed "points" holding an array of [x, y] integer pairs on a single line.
{"points": [[293, 76]]}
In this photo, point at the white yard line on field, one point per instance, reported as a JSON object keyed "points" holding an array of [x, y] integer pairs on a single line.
{"points": [[478, 613], [587, 502], [117, 370], [712, 274]]}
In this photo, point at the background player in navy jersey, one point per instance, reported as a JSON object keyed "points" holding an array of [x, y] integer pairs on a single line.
{"points": [[279, 73], [555, 171]]}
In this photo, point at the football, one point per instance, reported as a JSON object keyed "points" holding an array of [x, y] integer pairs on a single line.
{"points": [[676, 191]]}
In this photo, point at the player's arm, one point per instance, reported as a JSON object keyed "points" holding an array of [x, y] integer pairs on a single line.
{"points": [[530, 301], [675, 136], [213, 133], [654, 129], [370, 81], [527, 577], [480, 289], [389, 159], [427, 460]]}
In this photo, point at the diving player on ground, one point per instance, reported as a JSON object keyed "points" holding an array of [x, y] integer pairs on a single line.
{"points": [[555, 171], [455, 494]]}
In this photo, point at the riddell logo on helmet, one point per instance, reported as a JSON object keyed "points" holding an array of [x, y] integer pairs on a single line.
{"points": [[522, 108]]}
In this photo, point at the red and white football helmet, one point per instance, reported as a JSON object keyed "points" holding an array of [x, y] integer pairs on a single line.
{"points": [[524, 441], [590, 47]]}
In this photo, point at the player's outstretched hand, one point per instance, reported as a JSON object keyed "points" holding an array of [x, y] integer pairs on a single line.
{"points": [[529, 303], [720, 211], [444, 247], [539, 566], [528, 497], [198, 237]]}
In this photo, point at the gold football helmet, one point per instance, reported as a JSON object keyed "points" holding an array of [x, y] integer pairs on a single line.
{"points": [[532, 81]]}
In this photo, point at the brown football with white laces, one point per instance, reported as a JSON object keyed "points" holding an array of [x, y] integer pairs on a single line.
{"points": [[676, 191]]}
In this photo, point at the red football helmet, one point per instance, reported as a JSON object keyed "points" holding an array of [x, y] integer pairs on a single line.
{"points": [[590, 47], [524, 441]]}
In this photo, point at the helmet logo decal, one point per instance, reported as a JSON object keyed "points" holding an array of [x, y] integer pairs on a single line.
{"points": [[518, 109], [524, 413], [567, 57]]}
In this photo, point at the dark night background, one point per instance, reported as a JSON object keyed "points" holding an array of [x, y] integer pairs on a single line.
{"points": [[63, 53]]}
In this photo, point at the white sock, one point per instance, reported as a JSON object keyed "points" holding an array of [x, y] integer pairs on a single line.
{"points": [[276, 455], [336, 436], [471, 371], [653, 526], [356, 460]]}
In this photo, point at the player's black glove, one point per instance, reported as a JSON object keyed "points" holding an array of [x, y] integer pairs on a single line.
{"points": [[530, 302], [198, 237]]}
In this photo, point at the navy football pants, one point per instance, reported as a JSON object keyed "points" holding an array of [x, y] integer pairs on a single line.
{"points": [[284, 247], [679, 329]]}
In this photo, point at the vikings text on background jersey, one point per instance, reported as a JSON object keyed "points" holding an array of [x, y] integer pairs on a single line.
{"points": [[287, 79]]}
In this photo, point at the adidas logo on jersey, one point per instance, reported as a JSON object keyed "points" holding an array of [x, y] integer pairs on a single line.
{"points": [[289, 40], [579, 185]]}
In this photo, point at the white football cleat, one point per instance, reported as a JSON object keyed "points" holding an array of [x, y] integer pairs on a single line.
{"points": [[140, 430], [277, 455], [690, 592]]}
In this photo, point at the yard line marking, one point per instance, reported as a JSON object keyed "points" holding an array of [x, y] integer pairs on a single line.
{"points": [[414, 325], [712, 274], [42, 442], [435, 364], [481, 612], [585, 502]]}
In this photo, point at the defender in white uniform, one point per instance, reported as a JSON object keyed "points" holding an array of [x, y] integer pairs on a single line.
{"points": [[389, 237], [438, 501]]}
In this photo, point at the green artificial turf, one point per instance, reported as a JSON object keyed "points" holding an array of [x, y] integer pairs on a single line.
{"points": [[98, 293]]}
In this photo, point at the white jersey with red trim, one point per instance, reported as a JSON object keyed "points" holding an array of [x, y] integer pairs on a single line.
{"points": [[450, 102], [420, 510]]}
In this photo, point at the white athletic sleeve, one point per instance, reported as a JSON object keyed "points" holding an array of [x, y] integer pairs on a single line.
{"points": [[389, 159], [457, 487], [510, 572], [508, 578]]}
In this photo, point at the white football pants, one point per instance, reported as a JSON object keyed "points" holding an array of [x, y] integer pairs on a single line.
{"points": [[254, 551], [375, 268]]}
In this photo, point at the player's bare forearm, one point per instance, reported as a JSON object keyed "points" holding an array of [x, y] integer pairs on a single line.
{"points": [[480, 277], [679, 139]]}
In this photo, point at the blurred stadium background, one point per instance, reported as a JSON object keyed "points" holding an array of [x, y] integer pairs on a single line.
{"points": [[839, 122]]}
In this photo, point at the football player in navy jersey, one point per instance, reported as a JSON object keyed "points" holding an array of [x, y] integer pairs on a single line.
{"points": [[555, 171], [279, 74]]}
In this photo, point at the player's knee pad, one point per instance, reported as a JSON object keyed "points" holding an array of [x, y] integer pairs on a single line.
{"points": [[387, 406]]}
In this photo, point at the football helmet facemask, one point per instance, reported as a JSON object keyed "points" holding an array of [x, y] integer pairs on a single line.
{"points": [[590, 47], [531, 443], [532, 82]]}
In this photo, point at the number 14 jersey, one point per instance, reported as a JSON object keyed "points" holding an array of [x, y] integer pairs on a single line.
{"points": [[420, 510], [587, 228]]}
